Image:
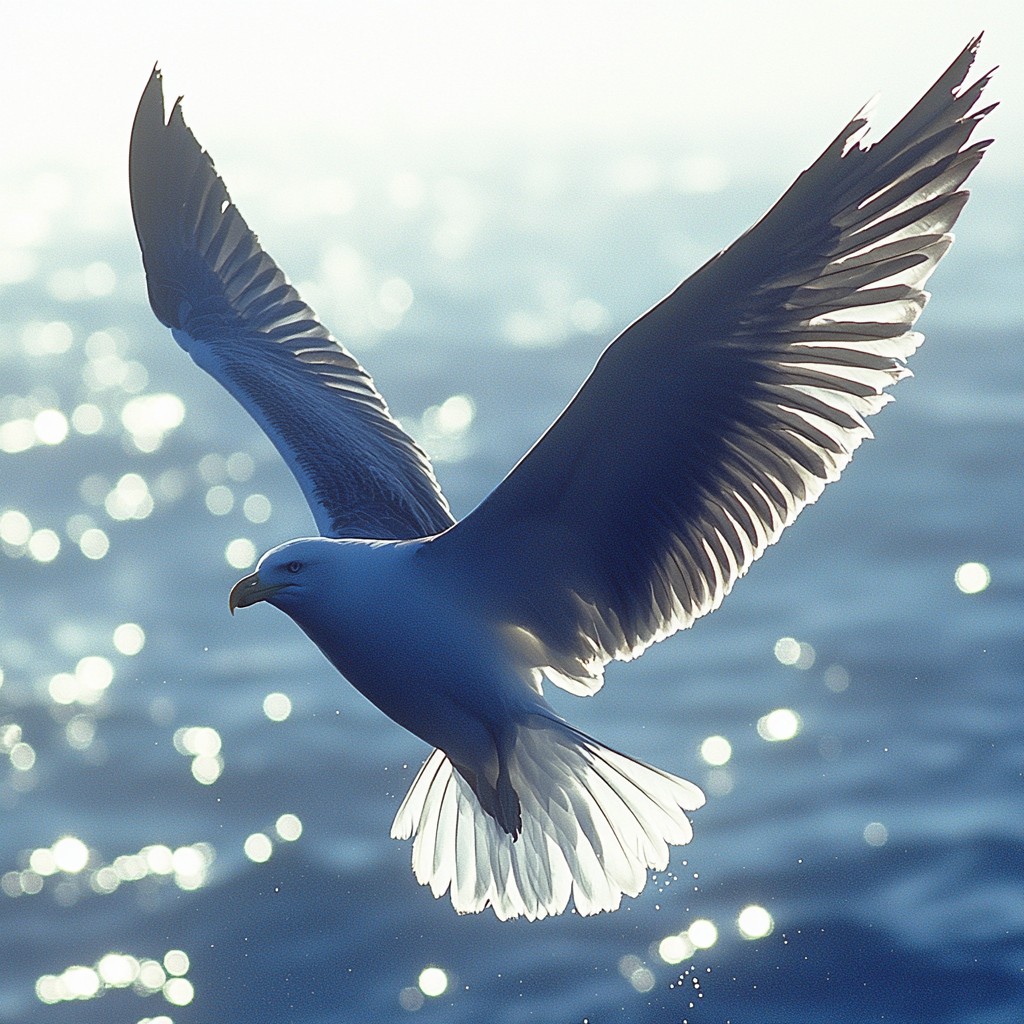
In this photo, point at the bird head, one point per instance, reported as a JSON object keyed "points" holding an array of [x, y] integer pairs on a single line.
{"points": [[283, 575]]}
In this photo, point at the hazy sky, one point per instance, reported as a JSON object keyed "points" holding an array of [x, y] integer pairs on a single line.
{"points": [[474, 69]]}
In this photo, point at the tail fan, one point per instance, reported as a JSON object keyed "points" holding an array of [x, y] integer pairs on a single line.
{"points": [[593, 822]]}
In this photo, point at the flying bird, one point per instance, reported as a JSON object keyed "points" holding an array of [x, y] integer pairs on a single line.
{"points": [[703, 430]]}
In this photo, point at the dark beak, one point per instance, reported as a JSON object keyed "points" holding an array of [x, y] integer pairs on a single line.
{"points": [[249, 590]]}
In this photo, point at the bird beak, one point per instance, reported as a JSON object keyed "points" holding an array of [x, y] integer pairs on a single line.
{"points": [[249, 590]]}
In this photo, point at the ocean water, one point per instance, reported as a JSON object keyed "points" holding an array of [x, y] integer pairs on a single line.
{"points": [[195, 808]]}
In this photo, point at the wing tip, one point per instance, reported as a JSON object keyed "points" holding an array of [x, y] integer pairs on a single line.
{"points": [[163, 156], [950, 83]]}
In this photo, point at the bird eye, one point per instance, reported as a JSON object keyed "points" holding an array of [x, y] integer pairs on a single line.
{"points": [[294, 567]]}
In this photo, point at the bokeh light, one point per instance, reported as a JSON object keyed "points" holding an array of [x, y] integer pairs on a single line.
{"points": [[178, 991], [129, 638], [876, 834], [433, 981], [70, 854], [444, 428], [636, 972], [258, 847], [15, 528], [87, 418], [148, 418], [277, 706], [176, 962], [220, 500], [411, 998], [837, 679], [702, 933], [288, 827], [129, 499], [674, 949], [203, 744], [754, 922], [240, 553], [22, 756], [80, 732], [789, 651], [93, 674], [972, 577], [44, 545], [94, 543], [776, 726], [118, 970], [256, 508], [716, 750], [50, 426], [52, 338], [17, 435], [239, 466], [207, 768]]}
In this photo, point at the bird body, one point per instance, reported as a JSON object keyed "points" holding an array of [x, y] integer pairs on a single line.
{"points": [[701, 433], [388, 629], [413, 641]]}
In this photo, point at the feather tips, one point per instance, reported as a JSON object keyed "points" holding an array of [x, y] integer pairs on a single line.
{"points": [[715, 418], [594, 823]]}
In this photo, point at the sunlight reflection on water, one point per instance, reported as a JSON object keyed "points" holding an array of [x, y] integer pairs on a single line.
{"points": [[115, 518], [69, 857], [972, 578], [146, 977]]}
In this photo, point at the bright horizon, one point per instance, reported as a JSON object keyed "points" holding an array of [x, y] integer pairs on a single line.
{"points": [[345, 107], [401, 75]]}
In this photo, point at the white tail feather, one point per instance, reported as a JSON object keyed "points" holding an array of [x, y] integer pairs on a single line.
{"points": [[593, 822]]}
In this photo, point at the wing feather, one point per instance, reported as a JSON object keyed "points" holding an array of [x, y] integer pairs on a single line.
{"points": [[234, 312], [717, 416]]}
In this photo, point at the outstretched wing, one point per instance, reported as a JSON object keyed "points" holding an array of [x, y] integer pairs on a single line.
{"points": [[717, 416], [230, 307]]}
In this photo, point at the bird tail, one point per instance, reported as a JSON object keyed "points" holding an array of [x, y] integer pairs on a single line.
{"points": [[592, 822]]}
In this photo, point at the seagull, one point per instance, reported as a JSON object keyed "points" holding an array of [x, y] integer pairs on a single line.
{"points": [[702, 431]]}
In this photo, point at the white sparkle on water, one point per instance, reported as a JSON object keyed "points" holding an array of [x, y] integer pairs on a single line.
{"points": [[240, 553], [433, 981], [258, 847], [277, 706], [716, 750], [754, 922], [972, 577], [778, 725]]}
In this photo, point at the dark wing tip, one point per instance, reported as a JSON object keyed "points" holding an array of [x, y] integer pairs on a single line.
{"points": [[962, 63], [163, 164], [150, 110], [145, 156]]}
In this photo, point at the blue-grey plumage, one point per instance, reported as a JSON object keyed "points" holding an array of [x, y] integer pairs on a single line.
{"points": [[230, 307], [388, 628], [702, 432]]}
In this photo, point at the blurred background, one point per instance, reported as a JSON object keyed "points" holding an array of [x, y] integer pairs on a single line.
{"points": [[475, 197]]}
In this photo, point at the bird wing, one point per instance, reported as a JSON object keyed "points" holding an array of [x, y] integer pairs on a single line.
{"points": [[231, 308], [716, 417]]}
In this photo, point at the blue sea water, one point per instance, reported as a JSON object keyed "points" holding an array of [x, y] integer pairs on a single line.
{"points": [[175, 846]]}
